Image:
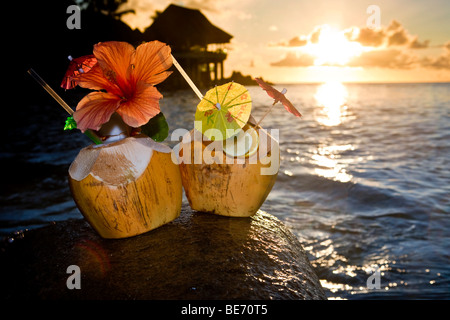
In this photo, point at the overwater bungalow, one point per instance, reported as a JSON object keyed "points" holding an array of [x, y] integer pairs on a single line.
{"points": [[197, 44]]}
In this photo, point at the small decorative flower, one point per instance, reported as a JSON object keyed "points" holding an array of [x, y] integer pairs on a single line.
{"points": [[229, 116], [70, 124], [208, 113], [125, 78]]}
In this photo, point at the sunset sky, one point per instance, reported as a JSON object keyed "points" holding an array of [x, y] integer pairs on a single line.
{"points": [[325, 40]]}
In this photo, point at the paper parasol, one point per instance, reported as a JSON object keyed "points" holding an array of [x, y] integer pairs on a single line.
{"points": [[278, 97], [76, 66], [224, 107]]}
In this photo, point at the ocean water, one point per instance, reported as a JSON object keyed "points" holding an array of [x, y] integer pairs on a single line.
{"points": [[364, 181]]}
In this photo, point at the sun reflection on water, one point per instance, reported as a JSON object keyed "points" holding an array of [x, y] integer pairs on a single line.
{"points": [[331, 110], [329, 163], [331, 98], [352, 279]]}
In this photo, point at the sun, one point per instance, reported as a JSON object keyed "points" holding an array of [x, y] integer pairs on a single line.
{"points": [[333, 48]]}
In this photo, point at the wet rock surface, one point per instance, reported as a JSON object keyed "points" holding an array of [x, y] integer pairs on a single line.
{"points": [[197, 256]]}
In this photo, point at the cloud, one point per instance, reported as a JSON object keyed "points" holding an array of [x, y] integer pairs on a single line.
{"points": [[384, 58], [397, 58], [367, 37], [297, 42], [416, 44], [395, 43], [315, 34], [440, 62], [394, 35], [295, 60], [393, 25], [391, 46], [300, 40], [399, 37], [292, 43]]}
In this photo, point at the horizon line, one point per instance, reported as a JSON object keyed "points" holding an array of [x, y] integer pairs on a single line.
{"points": [[363, 82]]}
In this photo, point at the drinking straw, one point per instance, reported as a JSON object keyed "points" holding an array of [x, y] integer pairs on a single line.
{"points": [[186, 77], [265, 114], [47, 88], [91, 135]]}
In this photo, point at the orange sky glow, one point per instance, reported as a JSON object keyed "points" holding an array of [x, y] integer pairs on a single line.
{"points": [[297, 41]]}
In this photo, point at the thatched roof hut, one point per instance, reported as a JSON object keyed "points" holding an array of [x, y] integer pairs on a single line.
{"points": [[189, 32], [183, 28]]}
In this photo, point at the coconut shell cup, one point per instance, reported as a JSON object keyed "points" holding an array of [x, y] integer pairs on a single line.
{"points": [[127, 187], [217, 183]]}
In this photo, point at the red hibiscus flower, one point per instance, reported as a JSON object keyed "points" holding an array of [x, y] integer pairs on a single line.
{"points": [[125, 78]]}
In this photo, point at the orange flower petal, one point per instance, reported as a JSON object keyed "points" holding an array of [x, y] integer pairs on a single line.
{"points": [[150, 61], [142, 107], [95, 80], [114, 57], [95, 109]]}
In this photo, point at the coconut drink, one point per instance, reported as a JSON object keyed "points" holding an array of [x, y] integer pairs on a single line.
{"points": [[232, 182], [127, 187], [125, 183], [228, 165]]}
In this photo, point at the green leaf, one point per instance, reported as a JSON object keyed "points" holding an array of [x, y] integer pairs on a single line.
{"points": [[157, 128]]}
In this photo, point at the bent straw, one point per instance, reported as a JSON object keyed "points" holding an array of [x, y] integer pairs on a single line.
{"points": [[186, 77], [91, 135]]}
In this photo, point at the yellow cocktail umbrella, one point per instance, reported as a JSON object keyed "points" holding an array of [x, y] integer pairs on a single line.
{"points": [[223, 111]]}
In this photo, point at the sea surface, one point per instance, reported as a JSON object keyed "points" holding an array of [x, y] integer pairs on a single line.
{"points": [[364, 181]]}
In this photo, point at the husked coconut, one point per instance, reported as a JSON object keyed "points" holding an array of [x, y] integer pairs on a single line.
{"points": [[221, 184], [127, 187]]}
